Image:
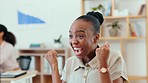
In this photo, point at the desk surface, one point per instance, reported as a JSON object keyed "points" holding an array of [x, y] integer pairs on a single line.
{"points": [[29, 74]]}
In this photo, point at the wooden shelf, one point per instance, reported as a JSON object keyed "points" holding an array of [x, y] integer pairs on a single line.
{"points": [[132, 17], [121, 38], [47, 79], [39, 51], [137, 77], [140, 16], [122, 17], [38, 54], [46, 74], [37, 79]]}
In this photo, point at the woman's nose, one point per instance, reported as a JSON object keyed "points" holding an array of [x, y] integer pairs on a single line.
{"points": [[74, 41]]}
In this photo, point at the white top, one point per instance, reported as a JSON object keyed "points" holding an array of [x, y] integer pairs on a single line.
{"points": [[7, 57], [76, 72]]}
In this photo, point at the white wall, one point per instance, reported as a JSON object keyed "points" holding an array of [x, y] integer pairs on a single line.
{"points": [[58, 15]]}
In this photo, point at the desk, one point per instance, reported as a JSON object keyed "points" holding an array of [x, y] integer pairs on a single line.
{"points": [[26, 78]]}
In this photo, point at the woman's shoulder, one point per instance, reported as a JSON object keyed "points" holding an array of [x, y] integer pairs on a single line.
{"points": [[115, 57], [73, 60], [115, 53], [70, 59], [7, 45]]}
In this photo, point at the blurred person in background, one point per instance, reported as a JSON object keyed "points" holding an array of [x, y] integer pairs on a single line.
{"points": [[8, 61]]}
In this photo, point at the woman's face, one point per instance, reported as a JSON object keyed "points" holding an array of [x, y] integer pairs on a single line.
{"points": [[81, 38]]}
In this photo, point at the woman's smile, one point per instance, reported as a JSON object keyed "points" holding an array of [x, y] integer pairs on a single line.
{"points": [[78, 51]]}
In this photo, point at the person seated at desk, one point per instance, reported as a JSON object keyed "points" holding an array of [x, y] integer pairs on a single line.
{"points": [[7, 51]]}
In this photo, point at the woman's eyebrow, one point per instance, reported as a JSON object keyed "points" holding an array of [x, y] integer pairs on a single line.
{"points": [[78, 31]]}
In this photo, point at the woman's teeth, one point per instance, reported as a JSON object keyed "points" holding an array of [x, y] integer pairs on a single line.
{"points": [[78, 50]]}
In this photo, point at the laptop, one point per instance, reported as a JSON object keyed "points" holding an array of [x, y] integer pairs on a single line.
{"points": [[12, 74]]}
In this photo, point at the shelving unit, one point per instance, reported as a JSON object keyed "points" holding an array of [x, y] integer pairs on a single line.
{"points": [[126, 40], [39, 62]]}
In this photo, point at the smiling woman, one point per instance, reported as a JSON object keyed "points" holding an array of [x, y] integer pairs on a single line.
{"points": [[92, 63]]}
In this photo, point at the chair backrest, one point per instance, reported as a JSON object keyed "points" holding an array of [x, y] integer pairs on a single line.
{"points": [[24, 62]]}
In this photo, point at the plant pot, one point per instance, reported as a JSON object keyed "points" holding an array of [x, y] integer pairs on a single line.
{"points": [[24, 62], [58, 45], [113, 32]]}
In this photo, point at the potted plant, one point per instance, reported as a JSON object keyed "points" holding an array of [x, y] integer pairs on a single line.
{"points": [[115, 27], [57, 42], [99, 8]]}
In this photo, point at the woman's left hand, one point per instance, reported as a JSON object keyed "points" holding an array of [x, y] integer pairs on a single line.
{"points": [[102, 54]]}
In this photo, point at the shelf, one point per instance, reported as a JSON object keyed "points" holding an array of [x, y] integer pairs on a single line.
{"points": [[46, 73], [140, 16], [47, 79], [38, 73], [39, 51], [123, 43], [137, 77], [37, 79], [40, 64], [121, 38], [122, 17], [36, 54]]}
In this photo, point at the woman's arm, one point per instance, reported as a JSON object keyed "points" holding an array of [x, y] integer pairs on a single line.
{"points": [[119, 80], [102, 54], [55, 74], [51, 57]]}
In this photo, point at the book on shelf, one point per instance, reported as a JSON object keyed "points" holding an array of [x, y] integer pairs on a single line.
{"points": [[142, 8], [134, 29]]}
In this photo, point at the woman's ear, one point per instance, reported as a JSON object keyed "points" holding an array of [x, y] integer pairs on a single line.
{"points": [[96, 38]]}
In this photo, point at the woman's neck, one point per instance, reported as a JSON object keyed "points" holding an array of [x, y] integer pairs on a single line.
{"points": [[89, 57], [1, 41]]}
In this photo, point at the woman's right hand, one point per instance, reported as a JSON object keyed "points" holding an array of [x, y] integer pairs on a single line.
{"points": [[51, 57]]}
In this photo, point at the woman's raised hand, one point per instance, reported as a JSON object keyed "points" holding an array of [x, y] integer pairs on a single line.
{"points": [[102, 54], [51, 57]]}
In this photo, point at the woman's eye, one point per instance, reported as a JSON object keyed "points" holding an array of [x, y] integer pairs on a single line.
{"points": [[70, 36], [80, 36]]}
